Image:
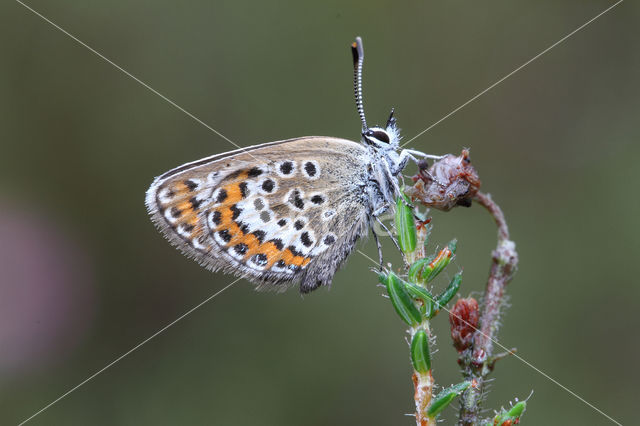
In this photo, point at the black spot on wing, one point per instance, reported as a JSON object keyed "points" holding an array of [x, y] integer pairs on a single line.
{"points": [[195, 203], [254, 172], [190, 184], [259, 235], [244, 227], [296, 200], [259, 259], [243, 189], [295, 252], [225, 235], [236, 211], [240, 248], [217, 217], [268, 185], [310, 168], [277, 242], [222, 195], [306, 239], [286, 168]]}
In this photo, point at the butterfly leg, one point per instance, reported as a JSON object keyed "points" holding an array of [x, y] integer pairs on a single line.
{"points": [[396, 187], [375, 237], [406, 154], [411, 153]]}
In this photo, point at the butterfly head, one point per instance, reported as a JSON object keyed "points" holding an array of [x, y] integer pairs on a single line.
{"points": [[383, 137]]}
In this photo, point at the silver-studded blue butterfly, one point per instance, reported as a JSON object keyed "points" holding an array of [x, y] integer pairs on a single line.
{"points": [[283, 212]]}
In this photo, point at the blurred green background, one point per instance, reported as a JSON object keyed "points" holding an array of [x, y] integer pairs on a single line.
{"points": [[85, 276]]}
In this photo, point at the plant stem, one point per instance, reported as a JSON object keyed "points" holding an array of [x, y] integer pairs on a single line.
{"points": [[423, 383], [476, 361]]}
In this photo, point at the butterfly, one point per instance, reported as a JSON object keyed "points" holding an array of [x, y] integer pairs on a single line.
{"points": [[283, 212]]}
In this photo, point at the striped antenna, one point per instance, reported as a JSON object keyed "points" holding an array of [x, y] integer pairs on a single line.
{"points": [[358, 59]]}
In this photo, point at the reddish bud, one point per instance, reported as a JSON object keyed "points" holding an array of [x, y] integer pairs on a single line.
{"points": [[464, 321]]}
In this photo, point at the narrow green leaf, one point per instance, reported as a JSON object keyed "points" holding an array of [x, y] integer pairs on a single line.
{"points": [[442, 259], [402, 301], [415, 270], [453, 245], [420, 356], [405, 226], [450, 291], [444, 398], [423, 295]]}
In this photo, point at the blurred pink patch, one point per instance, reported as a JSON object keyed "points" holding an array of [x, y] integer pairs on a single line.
{"points": [[46, 290]]}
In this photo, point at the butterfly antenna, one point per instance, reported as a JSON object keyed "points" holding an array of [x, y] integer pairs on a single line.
{"points": [[358, 58]]}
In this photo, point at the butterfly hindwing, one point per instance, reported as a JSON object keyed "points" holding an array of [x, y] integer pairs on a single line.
{"points": [[278, 213]]}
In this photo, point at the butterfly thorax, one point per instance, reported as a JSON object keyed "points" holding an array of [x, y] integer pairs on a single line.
{"points": [[387, 163]]}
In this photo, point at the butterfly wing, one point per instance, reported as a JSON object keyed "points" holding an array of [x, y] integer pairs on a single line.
{"points": [[278, 213]]}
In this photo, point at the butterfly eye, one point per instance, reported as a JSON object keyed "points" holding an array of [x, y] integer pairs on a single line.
{"points": [[377, 135], [382, 136]]}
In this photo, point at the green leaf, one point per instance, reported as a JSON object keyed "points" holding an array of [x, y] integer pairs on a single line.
{"points": [[517, 410], [405, 225], [420, 357], [450, 291], [401, 300], [442, 259], [511, 416], [423, 295], [415, 270], [444, 398]]}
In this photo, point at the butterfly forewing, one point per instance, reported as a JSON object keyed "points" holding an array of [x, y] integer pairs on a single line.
{"points": [[277, 213]]}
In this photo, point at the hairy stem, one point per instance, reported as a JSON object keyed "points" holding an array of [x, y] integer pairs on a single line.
{"points": [[477, 361], [423, 384]]}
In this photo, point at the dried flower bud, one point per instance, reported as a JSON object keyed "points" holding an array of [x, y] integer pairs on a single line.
{"points": [[449, 182], [464, 319]]}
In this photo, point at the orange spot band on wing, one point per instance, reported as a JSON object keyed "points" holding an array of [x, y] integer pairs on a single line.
{"points": [[234, 194], [180, 187], [185, 207], [269, 249], [233, 189], [290, 259], [250, 241]]}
